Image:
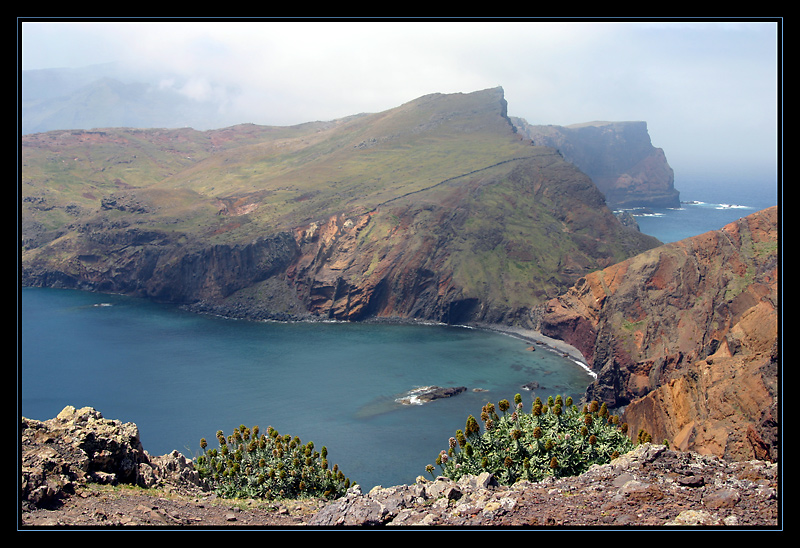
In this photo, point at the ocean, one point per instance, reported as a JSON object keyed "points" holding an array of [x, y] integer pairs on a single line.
{"points": [[705, 206], [182, 377]]}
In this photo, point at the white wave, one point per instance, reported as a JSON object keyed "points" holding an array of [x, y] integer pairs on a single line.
{"points": [[732, 206], [716, 206], [585, 367]]}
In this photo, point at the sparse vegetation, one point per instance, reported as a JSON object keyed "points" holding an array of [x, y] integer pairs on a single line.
{"points": [[555, 439], [268, 466]]}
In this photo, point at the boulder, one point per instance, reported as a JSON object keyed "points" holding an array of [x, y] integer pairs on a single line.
{"points": [[80, 446]]}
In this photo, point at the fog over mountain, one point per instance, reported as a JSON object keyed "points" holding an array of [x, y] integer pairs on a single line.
{"points": [[105, 96]]}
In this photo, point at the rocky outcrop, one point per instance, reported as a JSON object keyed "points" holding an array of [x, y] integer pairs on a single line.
{"points": [[619, 158], [684, 337], [152, 264], [650, 486], [79, 446], [426, 394]]}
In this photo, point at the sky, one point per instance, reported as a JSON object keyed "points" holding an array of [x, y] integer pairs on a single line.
{"points": [[708, 90]]}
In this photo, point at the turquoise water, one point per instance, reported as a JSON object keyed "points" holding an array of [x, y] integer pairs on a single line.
{"points": [[181, 377]]}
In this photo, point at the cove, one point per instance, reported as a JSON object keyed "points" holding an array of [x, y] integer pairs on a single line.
{"points": [[181, 376]]}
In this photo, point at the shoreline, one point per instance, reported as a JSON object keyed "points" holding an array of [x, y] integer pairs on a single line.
{"points": [[525, 334], [530, 335]]}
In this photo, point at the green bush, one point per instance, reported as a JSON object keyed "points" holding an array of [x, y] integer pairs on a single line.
{"points": [[269, 466], [554, 439]]}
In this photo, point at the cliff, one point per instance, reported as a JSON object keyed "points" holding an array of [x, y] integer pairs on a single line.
{"points": [[684, 337], [434, 210], [618, 156]]}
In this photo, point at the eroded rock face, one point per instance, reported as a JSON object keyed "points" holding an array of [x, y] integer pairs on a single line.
{"points": [[484, 249], [685, 336]]}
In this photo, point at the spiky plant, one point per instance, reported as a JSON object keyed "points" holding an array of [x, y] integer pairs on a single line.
{"points": [[268, 466], [555, 439]]}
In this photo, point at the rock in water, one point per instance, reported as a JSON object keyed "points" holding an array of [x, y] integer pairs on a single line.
{"points": [[427, 394]]}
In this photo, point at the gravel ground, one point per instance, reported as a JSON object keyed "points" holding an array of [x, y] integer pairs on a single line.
{"points": [[650, 488]]}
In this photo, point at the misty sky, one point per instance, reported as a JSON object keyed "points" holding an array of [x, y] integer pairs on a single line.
{"points": [[707, 90]]}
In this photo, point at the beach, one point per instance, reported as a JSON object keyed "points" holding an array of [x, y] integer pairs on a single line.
{"points": [[536, 337]]}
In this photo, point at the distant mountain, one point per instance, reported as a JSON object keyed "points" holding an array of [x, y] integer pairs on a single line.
{"points": [[102, 96], [618, 156], [434, 210]]}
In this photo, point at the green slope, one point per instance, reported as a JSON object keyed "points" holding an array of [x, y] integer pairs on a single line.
{"points": [[443, 187]]}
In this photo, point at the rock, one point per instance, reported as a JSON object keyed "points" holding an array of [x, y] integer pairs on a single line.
{"points": [[644, 479], [692, 517], [645, 487], [427, 394], [79, 446], [724, 498]]}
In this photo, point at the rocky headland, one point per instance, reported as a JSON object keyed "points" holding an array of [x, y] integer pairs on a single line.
{"points": [[618, 156], [436, 210]]}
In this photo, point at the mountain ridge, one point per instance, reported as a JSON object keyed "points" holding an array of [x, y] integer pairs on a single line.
{"points": [[439, 192]]}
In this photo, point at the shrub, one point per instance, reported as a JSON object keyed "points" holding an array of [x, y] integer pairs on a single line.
{"points": [[269, 466], [554, 439]]}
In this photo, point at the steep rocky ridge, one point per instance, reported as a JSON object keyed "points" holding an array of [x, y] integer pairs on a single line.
{"points": [[618, 156], [684, 337], [435, 210]]}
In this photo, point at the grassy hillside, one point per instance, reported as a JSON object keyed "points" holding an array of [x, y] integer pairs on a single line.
{"points": [[437, 193], [275, 176]]}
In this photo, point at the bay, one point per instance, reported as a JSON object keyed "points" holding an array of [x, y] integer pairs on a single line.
{"points": [[182, 377]]}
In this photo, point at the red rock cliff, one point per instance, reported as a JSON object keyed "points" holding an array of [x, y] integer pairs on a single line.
{"points": [[685, 336]]}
